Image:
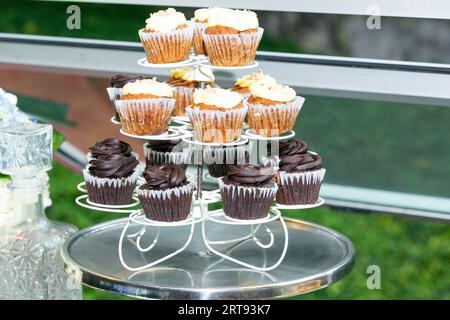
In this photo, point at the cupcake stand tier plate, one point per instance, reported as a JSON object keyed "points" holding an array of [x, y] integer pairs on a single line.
{"points": [[208, 255], [316, 257]]}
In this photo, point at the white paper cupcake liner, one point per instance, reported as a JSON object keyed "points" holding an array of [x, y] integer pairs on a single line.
{"points": [[183, 99], [232, 49], [199, 45], [218, 155], [217, 126], [145, 116], [273, 120], [167, 47], [114, 93], [299, 187], [243, 202], [174, 157]]}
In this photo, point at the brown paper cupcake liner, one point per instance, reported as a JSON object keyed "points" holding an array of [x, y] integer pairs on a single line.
{"points": [[199, 44], [273, 120], [247, 203], [179, 157], [217, 159], [215, 126], [110, 191], [167, 47], [232, 49], [145, 116], [167, 205], [299, 187], [183, 99]]}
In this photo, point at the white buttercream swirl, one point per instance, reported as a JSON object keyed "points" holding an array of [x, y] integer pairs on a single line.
{"points": [[241, 20], [249, 79], [203, 14], [165, 20], [217, 97], [274, 91], [148, 86]]}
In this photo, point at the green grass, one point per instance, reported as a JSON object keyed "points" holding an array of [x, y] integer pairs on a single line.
{"points": [[413, 254]]}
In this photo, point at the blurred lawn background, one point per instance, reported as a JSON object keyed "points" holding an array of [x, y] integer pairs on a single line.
{"points": [[404, 147]]}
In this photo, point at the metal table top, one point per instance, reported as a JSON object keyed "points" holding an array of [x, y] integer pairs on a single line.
{"points": [[316, 257]]}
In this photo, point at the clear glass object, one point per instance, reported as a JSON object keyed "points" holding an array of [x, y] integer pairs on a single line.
{"points": [[30, 263]]}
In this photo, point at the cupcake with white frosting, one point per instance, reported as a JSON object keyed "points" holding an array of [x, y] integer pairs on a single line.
{"points": [[242, 85], [217, 115], [183, 83], [200, 20], [145, 107], [272, 108], [167, 37], [232, 37]]}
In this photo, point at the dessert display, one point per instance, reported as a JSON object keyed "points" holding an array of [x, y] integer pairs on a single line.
{"points": [[145, 107], [182, 80], [166, 152], [232, 37], [217, 159], [272, 108], [111, 174], [166, 195], [242, 85], [217, 115], [248, 191], [300, 175], [167, 37]]}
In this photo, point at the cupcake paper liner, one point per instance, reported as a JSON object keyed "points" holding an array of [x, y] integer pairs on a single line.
{"points": [[114, 94], [152, 157], [110, 191], [183, 99], [145, 116], [299, 187], [169, 205], [232, 49], [167, 47], [247, 203], [215, 126], [199, 45], [214, 158], [273, 120]]}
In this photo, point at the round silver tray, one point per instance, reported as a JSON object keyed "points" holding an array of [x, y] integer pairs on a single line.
{"points": [[316, 257]]}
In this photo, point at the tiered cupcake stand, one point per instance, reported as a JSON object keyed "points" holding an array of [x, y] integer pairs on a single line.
{"points": [[208, 255]]}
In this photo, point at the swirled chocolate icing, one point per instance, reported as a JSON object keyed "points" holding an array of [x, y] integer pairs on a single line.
{"points": [[163, 177], [113, 166], [163, 146], [119, 80], [249, 174], [292, 146], [110, 146], [301, 162]]}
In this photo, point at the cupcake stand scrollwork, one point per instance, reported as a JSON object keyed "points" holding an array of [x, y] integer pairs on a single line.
{"points": [[139, 236]]}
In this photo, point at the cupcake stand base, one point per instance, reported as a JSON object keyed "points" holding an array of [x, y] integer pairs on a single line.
{"points": [[316, 257]]}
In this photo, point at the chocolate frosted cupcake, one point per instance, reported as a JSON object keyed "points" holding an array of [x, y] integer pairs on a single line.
{"points": [[232, 37], [284, 148], [300, 177], [167, 195], [247, 191], [217, 159], [217, 115], [272, 108], [111, 178], [167, 152], [167, 37], [145, 107], [109, 146]]}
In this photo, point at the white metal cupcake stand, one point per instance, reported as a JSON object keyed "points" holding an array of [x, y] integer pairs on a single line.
{"points": [[149, 233]]}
